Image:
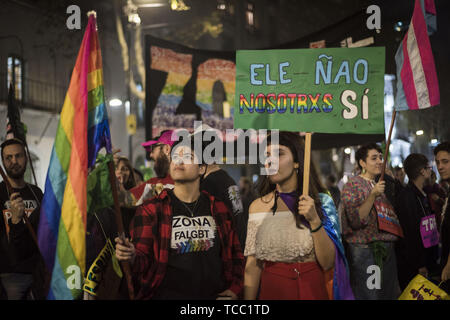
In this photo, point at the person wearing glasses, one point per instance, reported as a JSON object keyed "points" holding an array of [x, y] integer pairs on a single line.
{"points": [[183, 244], [417, 250]]}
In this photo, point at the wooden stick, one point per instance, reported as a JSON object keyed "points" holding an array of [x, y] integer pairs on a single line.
{"points": [[27, 222], [31, 163], [120, 229], [307, 164], [388, 143]]}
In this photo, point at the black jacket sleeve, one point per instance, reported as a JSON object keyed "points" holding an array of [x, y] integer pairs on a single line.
{"points": [[409, 213], [20, 237]]}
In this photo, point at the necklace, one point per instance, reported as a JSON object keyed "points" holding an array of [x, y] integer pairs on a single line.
{"points": [[368, 179], [189, 209]]}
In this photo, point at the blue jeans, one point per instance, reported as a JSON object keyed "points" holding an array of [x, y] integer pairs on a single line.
{"points": [[16, 285], [360, 259]]}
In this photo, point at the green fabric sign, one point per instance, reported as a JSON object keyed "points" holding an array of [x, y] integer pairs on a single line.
{"points": [[330, 90]]}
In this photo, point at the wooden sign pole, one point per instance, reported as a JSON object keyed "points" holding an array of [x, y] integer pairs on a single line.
{"points": [[388, 143], [307, 164], [120, 228]]}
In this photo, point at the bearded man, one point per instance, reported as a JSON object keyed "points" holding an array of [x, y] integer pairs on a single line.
{"points": [[159, 149], [19, 255]]}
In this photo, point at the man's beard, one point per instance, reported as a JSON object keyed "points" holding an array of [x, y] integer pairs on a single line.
{"points": [[14, 174], [162, 164]]}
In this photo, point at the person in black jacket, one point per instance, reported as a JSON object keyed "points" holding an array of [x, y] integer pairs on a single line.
{"points": [[220, 184], [442, 156], [415, 255], [19, 254]]}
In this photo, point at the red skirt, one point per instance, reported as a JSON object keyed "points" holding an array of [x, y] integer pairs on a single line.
{"points": [[293, 281]]}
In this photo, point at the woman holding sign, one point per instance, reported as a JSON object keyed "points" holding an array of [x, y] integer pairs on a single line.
{"points": [[293, 243], [370, 228]]}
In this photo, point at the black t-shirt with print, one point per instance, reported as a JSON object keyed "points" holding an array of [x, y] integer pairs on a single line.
{"points": [[194, 269], [18, 252]]}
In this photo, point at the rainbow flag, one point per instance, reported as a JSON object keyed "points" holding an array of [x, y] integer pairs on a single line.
{"points": [[82, 131], [417, 83]]}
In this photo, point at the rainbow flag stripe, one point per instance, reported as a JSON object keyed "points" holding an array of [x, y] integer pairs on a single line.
{"points": [[82, 131]]}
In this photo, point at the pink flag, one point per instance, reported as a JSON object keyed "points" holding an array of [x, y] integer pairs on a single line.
{"points": [[417, 84]]}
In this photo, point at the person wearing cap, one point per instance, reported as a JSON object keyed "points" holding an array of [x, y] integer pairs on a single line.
{"points": [[183, 242], [18, 252], [159, 149]]}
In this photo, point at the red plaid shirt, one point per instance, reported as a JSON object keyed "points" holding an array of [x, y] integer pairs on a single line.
{"points": [[151, 233]]}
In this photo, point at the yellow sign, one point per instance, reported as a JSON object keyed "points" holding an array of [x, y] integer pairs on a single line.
{"points": [[421, 288], [131, 124], [94, 275]]}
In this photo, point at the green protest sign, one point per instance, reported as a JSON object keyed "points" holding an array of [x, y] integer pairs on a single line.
{"points": [[329, 90]]}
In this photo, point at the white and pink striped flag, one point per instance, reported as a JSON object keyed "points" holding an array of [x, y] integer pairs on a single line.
{"points": [[417, 83]]}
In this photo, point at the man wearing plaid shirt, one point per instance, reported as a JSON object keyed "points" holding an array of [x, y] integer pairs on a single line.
{"points": [[184, 245]]}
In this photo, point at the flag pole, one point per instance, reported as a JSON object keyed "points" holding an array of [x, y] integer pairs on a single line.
{"points": [[12, 122], [120, 229], [118, 215], [388, 143], [307, 164], [31, 163]]}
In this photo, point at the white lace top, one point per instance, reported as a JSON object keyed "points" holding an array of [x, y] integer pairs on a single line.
{"points": [[277, 238]]}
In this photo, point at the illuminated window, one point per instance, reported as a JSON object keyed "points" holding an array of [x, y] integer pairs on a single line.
{"points": [[250, 16], [221, 5], [15, 75]]}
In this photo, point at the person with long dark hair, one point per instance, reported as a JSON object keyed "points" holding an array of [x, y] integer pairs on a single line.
{"points": [[369, 245], [293, 241], [124, 173]]}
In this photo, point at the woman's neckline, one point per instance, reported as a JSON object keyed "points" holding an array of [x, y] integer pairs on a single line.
{"points": [[367, 179], [268, 211]]}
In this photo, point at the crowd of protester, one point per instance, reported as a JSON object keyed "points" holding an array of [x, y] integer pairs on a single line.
{"points": [[192, 232]]}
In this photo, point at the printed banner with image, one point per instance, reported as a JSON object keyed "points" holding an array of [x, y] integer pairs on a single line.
{"points": [[184, 85]]}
